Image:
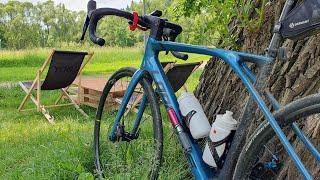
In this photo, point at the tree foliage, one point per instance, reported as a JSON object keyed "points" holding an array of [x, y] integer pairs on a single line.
{"points": [[25, 25], [205, 22], [209, 20]]}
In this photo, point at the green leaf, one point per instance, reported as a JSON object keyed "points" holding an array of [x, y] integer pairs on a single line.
{"points": [[85, 176]]}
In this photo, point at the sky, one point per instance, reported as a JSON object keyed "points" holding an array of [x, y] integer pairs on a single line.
{"points": [[77, 5]]}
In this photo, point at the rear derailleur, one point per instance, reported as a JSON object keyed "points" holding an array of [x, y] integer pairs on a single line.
{"points": [[266, 169]]}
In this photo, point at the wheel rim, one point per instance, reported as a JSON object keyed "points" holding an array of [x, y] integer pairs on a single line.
{"points": [[137, 158], [273, 162]]}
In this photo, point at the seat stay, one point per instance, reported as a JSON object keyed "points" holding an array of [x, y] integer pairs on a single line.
{"points": [[276, 105], [294, 126], [235, 65]]}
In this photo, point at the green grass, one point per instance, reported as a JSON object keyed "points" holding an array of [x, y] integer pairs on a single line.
{"points": [[23, 64], [30, 148]]}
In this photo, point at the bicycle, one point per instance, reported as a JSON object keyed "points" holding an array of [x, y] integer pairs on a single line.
{"points": [[162, 36]]}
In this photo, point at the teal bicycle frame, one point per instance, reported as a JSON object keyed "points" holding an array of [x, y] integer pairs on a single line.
{"points": [[238, 62], [152, 70]]}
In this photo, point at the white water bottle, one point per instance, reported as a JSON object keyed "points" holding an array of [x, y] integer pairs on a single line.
{"points": [[221, 128], [198, 122]]}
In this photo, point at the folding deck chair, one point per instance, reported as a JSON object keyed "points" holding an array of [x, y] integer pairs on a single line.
{"points": [[64, 67], [177, 75]]}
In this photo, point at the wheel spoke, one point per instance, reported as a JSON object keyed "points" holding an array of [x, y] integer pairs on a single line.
{"points": [[122, 157], [265, 148]]}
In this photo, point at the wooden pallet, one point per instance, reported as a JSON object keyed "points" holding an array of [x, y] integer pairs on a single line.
{"points": [[91, 89]]}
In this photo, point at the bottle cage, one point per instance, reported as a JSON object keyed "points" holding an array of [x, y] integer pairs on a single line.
{"points": [[302, 21], [212, 146]]}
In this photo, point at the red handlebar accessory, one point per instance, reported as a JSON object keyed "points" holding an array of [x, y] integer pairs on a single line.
{"points": [[135, 24]]}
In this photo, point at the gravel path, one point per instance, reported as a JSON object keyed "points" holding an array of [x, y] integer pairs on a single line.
{"points": [[8, 85]]}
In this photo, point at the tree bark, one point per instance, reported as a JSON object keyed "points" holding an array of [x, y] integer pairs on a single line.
{"points": [[220, 89]]}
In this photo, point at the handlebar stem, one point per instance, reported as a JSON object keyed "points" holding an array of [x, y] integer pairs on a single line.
{"points": [[156, 26]]}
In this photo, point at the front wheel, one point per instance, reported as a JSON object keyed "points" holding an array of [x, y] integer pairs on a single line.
{"points": [[137, 150], [264, 157]]}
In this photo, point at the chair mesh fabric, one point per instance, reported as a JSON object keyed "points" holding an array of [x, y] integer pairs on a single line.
{"points": [[179, 74], [28, 84], [63, 69]]}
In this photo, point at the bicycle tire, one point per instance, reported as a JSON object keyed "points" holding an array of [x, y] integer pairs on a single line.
{"points": [[156, 121], [301, 108]]}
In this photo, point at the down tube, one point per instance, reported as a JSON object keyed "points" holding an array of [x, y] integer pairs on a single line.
{"points": [[151, 63], [234, 63]]}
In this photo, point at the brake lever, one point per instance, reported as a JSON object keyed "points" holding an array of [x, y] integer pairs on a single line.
{"points": [[91, 6], [165, 38], [172, 38], [85, 28], [156, 13], [180, 55]]}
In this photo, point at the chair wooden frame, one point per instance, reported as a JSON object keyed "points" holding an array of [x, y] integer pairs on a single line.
{"points": [[36, 85]]}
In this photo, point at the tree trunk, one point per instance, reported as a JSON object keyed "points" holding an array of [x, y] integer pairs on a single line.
{"points": [[220, 90]]}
